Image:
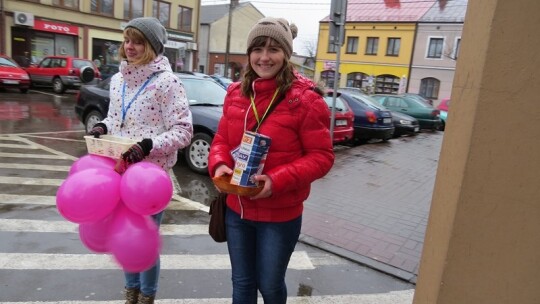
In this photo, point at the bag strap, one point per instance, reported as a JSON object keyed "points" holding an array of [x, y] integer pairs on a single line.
{"points": [[272, 107]]}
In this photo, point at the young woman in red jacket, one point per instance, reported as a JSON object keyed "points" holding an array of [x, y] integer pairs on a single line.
{"points": [[263, 230]]}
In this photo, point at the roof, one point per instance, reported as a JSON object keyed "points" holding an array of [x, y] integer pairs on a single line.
{"points": [[212, 13], [446, 11], [386, 10]]}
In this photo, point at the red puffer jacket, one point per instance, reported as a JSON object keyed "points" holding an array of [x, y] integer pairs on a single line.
{"points": [[301, 150]]}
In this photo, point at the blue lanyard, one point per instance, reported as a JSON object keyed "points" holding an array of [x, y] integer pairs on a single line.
{"points": [[126, 109]]}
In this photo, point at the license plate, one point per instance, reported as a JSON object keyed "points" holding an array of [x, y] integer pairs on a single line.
{"points": [[387, 120], [6, 81], [341, 122], [416, 129]]}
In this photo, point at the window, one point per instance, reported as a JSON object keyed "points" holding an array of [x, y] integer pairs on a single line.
{"points": [[328, 78], [352, 45], [435, 47], [73, 4], [133, 9], [184, 18], [387, 84], [162, 11], [456, 48], [393, 47], [103, 7], [332, 48], [357, 80], [372, 45], [429, 88]]}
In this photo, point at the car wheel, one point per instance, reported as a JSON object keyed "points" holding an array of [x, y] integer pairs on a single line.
{"points": [[442, 126], [87, 74], [24, 91], [197, 153], [58, 86], [92, 119]]}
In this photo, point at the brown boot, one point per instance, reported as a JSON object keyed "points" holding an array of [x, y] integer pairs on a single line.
{"points": [[143, 299], [132, 295]]}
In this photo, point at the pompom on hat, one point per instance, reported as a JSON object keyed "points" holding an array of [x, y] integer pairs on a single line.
{"points": [[153, 30], [277, 29]]}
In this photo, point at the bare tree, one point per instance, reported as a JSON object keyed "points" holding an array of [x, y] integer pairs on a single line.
{"points": [[310, 47]]}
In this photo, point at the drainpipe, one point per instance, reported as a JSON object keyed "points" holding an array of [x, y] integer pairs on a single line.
{"points": [[412, 57], [2, 28]]}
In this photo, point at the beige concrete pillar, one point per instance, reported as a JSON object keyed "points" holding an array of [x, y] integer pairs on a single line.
{"points": [[483, 238]]}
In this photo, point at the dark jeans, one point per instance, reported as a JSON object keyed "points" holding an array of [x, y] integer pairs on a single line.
{"points": [[146, 281], [260, 253]]}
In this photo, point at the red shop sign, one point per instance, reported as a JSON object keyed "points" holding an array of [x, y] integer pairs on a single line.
{"points": [[54, 27]]}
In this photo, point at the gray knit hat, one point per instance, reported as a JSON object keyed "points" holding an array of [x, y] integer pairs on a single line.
{"points": [[153, 30], [277, 29]]}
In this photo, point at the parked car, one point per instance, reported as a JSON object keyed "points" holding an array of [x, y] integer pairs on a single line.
{"points": [[371, 120], [343, 120], [419, 97], [205, 98], [443, 108], [107, 70], [403, 123], [12, 75], [427, 115], [223, 81], [63, 72]]}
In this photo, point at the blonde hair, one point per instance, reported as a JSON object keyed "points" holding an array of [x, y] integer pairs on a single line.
{"points": [[134, 34], [284, 77]]}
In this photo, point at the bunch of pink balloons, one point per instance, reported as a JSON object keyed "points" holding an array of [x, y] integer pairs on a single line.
{"points": [[113, 211]]}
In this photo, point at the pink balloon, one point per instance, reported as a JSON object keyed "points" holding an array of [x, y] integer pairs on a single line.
{"points": [[88, 195], [90, 161], [134, 240], [95, 235], [146, 188]]}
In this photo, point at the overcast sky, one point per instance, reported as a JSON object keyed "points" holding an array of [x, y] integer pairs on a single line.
{"points": [[306, 14]]}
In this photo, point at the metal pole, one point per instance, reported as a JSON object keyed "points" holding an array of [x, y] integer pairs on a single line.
{"points": [[227, 48]]}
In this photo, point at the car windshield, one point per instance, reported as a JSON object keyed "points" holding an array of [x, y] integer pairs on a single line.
{"points": [[6, 62], [340, 106], [203, 92], [416, 102], [368, 101]]}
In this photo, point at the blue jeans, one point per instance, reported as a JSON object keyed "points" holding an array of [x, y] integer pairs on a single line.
{"points": [[260, 253], [146, 281]]}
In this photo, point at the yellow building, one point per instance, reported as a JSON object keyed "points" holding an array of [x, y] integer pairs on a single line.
{"points": [[33, 29], [378, 45]]}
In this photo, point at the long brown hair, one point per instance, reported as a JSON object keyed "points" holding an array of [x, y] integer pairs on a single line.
{"points": [[134, 34], [284, 77]]}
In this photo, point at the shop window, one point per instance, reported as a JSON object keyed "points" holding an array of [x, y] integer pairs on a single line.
{"points": [[372, 45], [327, 77], [429, 88], [133, 9], [388, 84], [357, 80], [392, 49], [72, 4], [102, 7], [162, 11], [352, 45], [184, 18], [435, 47]]}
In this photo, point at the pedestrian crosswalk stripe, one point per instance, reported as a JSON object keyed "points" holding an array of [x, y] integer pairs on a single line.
{"points": [[34, 167], [30, 181], [36, 226], [16, 146], [57, 261], [177, 202], [393, 297], [33, 156]]}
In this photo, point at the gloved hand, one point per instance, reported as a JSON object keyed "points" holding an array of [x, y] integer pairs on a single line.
{"points": [[98, 130], [138, 151]]}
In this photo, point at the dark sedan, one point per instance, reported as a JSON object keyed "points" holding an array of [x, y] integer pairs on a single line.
{"points": [[371, 120], [205, 99]]}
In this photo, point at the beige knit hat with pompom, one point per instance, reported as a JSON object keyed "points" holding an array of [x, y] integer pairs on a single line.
{"points": [[277, 29]]}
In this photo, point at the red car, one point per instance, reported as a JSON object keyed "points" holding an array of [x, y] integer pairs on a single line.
{"points": [[12, 75], [443, 106], [343, 122], [63, 72]]}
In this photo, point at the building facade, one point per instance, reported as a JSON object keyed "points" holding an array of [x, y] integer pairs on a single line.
{"points": [[33, 29]]}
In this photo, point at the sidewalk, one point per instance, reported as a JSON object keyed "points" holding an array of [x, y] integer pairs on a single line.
{"points": [[374, 204]]}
